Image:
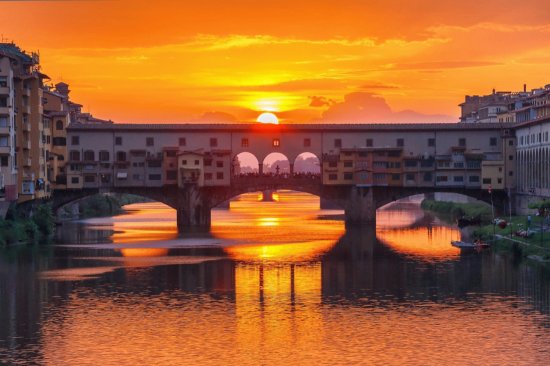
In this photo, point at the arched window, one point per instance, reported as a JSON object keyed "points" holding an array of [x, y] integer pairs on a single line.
{"points": [[103, 155], [74, 155], [89, 155], [59, 125]]}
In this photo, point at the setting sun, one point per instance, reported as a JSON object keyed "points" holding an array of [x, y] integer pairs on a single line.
{"points": [[268, 118]]}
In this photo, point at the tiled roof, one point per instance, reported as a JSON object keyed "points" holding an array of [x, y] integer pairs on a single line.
{"points": [[11, 50]]}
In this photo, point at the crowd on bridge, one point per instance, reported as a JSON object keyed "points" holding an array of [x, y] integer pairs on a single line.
{"points": [[295, 175]]}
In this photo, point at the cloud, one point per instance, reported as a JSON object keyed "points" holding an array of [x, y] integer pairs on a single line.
{"points": [[217, 117], [363, 107], [317, 101]]}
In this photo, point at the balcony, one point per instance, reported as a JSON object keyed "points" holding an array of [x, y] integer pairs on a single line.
{"points": [[26, 127], [27, 92], [4, 130], [4, 150], [26, 109], [4, 90], [27, 162], [5, 110], [26, 145]]}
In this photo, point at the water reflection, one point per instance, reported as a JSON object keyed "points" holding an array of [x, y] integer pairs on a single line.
{"points": [[303, 291]]}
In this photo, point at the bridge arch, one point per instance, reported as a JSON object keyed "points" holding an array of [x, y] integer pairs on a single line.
{"points": [[307, 162], [276, 163], [245, 162]]}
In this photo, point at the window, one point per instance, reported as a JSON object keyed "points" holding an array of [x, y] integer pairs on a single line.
{"points": [[458, 165], [369, 142], [244, 142], [500, 169], [197, 162], [409, 176], [184, 162], [458, 178], [89, 155], [219, 175], [427, 177], [511, 173], [171, 174], [154, 164], [510, 142], [208, 176], [410, 164], [219, 164], [121, 156], [332, 164], [307, 142], [182, 141], [171, 154], [462, 142], [337, 142], [493, 141], [348, 176], [4, 160], [442, 178], [208, 162], [213, 142], [4, 141], [473, 178], [4, 121], [89, 179], [276, 142], [348, 164], [75, 180], [396, 176], [426, 163], [155, 177], [75, 140], [499, 180], [400, 142], [137, 177], [150, 141], [103, 155], [118, 140], [510, 157], [487, 181], [74, 155], [333, 177], [431, 142]]}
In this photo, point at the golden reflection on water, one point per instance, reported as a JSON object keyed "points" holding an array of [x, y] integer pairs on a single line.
{"points": [[278, 315], [285, 230]]}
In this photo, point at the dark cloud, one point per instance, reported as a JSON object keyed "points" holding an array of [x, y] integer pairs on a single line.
{"points": [[362, 107]]}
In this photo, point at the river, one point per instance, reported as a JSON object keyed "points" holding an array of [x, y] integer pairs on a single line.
{"points": [[275, 283]]}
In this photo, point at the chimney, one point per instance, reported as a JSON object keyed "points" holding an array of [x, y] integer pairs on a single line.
{"points": [[525, 88], [494, 91]]}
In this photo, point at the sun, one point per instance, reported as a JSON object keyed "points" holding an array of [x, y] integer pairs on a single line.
{"points": [[268, 118]]}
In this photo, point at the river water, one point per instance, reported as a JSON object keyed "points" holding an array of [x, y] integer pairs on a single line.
{"points": [[276, 283]]}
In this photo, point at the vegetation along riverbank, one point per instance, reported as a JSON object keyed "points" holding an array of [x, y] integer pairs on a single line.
{"points": [[17, 228]]}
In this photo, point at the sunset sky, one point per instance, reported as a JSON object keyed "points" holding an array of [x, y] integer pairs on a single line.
{"points": [[341, 61]]}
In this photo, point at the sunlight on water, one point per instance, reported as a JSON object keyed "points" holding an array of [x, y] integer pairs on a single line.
{"points": [[279, 283]]}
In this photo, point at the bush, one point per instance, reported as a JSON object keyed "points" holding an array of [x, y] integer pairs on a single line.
{"points": [[43, 219]]}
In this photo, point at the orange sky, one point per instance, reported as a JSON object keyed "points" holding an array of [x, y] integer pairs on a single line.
{"points": [[346, 60]]}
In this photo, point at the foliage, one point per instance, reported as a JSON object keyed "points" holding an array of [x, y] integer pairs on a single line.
{"points": [[458, 210], [43, 219]]}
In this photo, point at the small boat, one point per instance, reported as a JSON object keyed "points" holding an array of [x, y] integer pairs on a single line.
{"points": [[477, 245]]}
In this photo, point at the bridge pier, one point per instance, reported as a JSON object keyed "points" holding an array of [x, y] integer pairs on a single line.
{"points": [[193, 210], [360, 208]]}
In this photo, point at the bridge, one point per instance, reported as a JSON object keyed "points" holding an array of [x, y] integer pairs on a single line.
{"points": [[195, 167], [194, 204]]}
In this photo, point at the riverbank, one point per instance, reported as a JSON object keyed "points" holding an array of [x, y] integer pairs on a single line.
{"points": [[100, 206], [451, 211], [16, 229], [536, 245]]}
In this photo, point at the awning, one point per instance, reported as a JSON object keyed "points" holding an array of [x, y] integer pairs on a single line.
{"points": [[122, 175]]}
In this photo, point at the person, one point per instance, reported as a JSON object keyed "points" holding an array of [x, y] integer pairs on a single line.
{"points": [[528, 221]]}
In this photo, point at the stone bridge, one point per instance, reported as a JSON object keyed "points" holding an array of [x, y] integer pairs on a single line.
{"points": [[194, 203]]}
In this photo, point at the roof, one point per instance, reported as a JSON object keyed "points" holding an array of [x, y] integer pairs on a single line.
{"points": [[13, 51], [256, 127]]}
